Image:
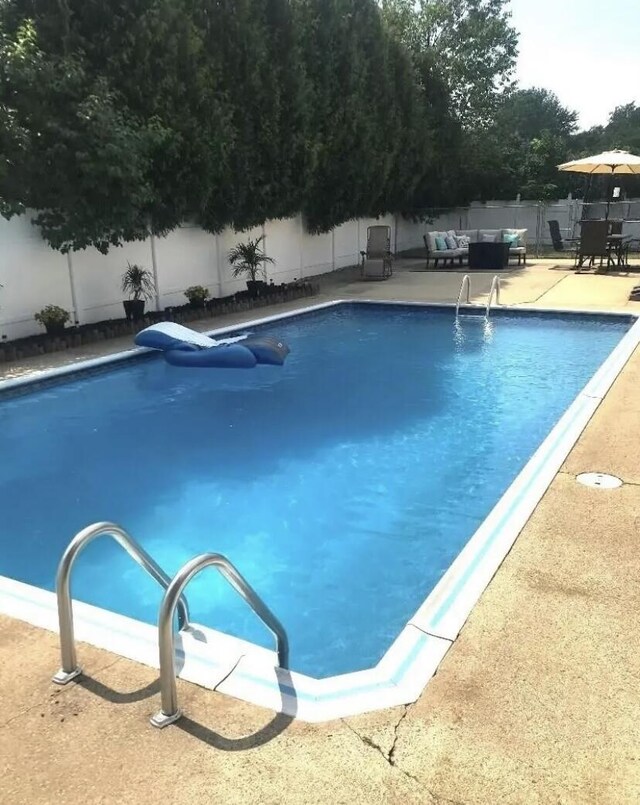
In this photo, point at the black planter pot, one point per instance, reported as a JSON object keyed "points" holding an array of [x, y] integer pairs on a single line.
{"points": [[197, 304], [134, 309], [55, 328], [256, 288]]}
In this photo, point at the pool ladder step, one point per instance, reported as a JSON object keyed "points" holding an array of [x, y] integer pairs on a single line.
{"points": [[494, 293], [173, 599]]}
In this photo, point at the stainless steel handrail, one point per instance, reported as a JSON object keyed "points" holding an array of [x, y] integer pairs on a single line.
{"points": [[70, 667], [465, 281], [170, 711], [495, 289]]}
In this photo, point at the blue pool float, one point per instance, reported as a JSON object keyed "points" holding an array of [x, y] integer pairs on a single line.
{"points": [[182, 346]]}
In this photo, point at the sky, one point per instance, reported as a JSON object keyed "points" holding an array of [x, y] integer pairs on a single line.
{"points": [[586, 51]]}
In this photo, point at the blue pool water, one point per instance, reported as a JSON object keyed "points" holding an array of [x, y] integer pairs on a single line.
{"points": [[341, 485]]}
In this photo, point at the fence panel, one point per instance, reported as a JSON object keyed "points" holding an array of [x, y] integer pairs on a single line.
{"points": [[345, 244], [32, 276], [317, 254], [283, 244], [187, 256]]}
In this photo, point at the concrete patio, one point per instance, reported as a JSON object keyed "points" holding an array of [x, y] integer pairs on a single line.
{"points": [[536, 702]]}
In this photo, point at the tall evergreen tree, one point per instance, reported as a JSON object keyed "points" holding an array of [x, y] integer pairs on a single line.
{"points": [[124, 116]]}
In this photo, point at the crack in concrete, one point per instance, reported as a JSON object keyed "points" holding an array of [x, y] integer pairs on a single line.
{"points": [[438, 800], [388, 756], [539, 297], [392, 751], [21, 713], [55, 690], [228, 674]]}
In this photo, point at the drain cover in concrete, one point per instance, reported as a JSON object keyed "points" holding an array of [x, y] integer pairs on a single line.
{"points": [[599, 479]]}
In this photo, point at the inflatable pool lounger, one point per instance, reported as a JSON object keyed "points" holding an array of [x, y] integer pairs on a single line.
{"points": [[182, 346]]}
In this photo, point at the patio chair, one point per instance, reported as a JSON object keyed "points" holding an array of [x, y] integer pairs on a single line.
{"points": [[377, 261], [556, 237], [593, 243]]}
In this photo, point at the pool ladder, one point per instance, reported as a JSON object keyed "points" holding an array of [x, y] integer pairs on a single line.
{"points": [[173, 599], [494, 292]]}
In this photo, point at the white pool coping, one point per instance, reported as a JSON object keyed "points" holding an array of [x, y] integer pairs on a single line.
{"points": [[247, 671]]}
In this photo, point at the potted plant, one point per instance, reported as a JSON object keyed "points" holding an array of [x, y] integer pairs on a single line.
{"points": [[53, 318], [248, 258], [197, 295], [138, 283]]}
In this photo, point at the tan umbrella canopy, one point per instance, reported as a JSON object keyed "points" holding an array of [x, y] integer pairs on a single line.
{"points": [[611, 162]]}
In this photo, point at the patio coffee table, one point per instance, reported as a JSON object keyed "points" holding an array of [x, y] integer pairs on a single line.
{"points": [[489, 256]]}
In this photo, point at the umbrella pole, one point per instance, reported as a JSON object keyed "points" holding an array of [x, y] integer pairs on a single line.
{"points": [[585, 200]]}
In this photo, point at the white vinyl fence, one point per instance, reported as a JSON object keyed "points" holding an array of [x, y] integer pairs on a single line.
{"points": [[87, 283]]}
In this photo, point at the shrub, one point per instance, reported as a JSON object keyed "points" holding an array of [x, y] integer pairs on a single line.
{"points": [[52, 316], [196, 294]]}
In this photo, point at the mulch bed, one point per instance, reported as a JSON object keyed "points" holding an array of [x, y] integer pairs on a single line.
{"points": [[35, 345]]}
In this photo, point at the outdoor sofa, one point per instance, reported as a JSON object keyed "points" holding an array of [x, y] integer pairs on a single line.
{"points": [[453, 246]]}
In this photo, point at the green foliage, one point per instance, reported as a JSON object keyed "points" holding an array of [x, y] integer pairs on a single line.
{"points": [[463, 53], [471, 42], [124, 117], [196, 294], [138, 282], [519, 151], [74, 154], [248, 258], [52, 315], [622, 131], [369, 140], [121, 117], [528, 112]]}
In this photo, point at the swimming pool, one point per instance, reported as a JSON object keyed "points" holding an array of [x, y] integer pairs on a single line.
{"points": [[342, 485]]}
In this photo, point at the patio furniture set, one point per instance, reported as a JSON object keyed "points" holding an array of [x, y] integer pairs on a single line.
{"points": [[600, 239], [482, 249], [491, 249]]}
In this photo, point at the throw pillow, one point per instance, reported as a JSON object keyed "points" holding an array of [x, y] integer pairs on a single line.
{"points": [[463, 241], [512, 238], [451, 242], [488, 238], [441, 243]]}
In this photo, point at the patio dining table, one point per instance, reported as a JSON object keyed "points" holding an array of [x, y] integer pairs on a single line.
{"points": [[617, 249]]}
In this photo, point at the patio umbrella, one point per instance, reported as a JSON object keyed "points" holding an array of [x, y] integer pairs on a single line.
{"points": [[609, 163]]}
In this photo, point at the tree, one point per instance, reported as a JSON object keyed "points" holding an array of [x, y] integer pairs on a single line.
{"points": [[528, 112], [623, 129], [129, 116], [369, 137], [473, 45], [72, 154], [519, 152]]}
